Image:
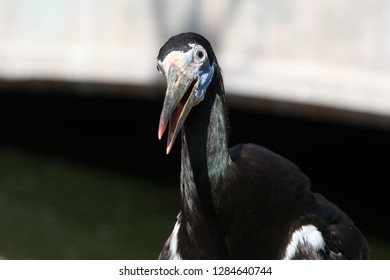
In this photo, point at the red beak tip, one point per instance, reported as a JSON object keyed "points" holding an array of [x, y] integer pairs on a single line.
{"points": [[160, 133], [169, 147]]}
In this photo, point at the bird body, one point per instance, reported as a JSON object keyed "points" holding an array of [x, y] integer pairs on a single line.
{"points": [[243, 202]]}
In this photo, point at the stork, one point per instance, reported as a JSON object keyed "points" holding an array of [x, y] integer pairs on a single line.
{"points": [[243, 202]]}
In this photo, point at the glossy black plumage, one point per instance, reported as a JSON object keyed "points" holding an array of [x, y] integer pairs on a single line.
{"points": [[245, 202]]}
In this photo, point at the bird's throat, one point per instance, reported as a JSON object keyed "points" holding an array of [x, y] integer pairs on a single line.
{"points": [[203, 163]]}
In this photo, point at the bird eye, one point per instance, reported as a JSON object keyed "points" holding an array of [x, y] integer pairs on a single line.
{"points": [[200, 55]]}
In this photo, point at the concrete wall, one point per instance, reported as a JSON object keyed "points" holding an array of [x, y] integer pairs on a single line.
{"points": [[334, 54]]}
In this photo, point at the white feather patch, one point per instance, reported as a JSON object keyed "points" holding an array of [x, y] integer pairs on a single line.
{"points": [[173, 253], [307, 235]]}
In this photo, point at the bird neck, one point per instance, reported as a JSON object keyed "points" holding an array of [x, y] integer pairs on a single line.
{"points": [[205, 155], [204, 161]]}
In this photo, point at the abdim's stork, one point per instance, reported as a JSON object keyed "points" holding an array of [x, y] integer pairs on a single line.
{"points": [[244, 202]]}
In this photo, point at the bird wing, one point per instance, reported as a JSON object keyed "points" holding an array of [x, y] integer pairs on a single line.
{"points": [[343, 239], [338, 235]]}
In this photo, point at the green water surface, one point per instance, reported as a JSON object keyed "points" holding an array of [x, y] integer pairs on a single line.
{"points": [[54, 208]]}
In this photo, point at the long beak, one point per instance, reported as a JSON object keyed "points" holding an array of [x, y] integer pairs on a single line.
{"points": [[179, 99]]}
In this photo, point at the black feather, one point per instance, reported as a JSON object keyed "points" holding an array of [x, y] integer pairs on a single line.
{"points": [[246, 202]]}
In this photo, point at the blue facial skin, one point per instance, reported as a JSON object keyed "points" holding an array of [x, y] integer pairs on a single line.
{"points": [[204, 80]]}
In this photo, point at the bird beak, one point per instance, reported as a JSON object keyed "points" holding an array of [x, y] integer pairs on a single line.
{"points": [[179, 99]]}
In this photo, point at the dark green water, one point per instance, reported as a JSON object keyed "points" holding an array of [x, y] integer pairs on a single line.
{"points": [[53, 208], [57, 209]]}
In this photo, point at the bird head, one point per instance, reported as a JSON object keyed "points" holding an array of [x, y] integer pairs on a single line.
{"points": [[186, 61]]}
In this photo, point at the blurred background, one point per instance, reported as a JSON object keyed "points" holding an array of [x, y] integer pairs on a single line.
{"points": [[82, 173]]}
